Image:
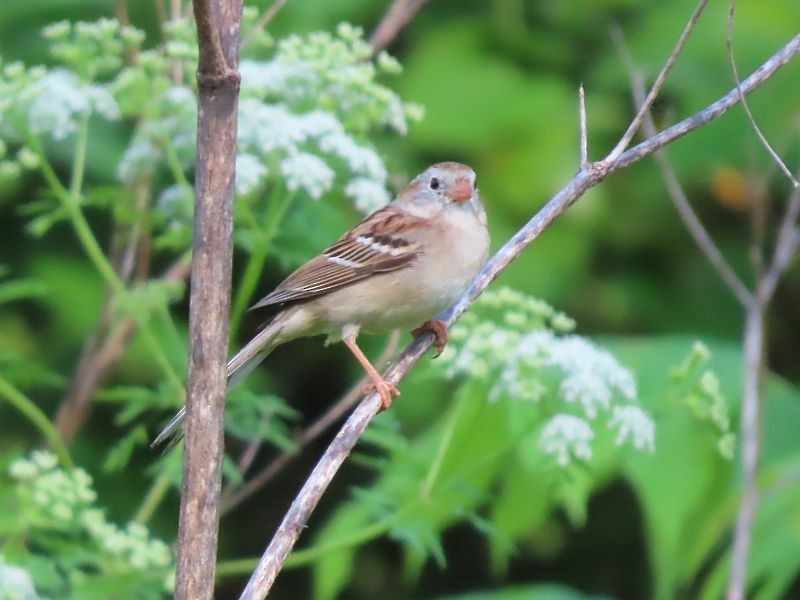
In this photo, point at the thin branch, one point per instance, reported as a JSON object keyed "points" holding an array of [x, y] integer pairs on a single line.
{"points": [[627, 137], [264, 20], [396, 18], [218, 28], [234, 497], [785, 247], [584, 136], [735, 71], [750, 425], [675, 190], [212, 62], [303, 505]]}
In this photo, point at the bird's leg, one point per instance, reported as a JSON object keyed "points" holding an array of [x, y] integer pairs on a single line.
{"points": [[440, 331], [385, 390]]}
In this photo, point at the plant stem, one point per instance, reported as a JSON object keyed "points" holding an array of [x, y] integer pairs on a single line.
{"points": [[441, 451], [95, 253], [79, 162], [78, 221], [152, 500], [174, 164], [278, 208], [38, 419]]}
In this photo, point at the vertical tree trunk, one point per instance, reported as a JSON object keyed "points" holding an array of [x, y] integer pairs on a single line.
{"points": [[218, 23]]}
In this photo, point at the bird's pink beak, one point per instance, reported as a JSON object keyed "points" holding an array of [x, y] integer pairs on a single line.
{"points": [[461, 192]]}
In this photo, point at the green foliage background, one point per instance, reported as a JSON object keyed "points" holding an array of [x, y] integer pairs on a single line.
{"points": [[498, 82]]}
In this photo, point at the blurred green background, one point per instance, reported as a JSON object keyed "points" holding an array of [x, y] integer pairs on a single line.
{"points": [[498, 80]]}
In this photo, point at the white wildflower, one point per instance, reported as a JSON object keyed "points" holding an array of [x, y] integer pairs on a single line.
{"points": [[592, 375], [366, 194], [261, 79], [388, 63], [360, 159], [396, 116], [319, 122], [633, 426], [250, 173], [307, 172], [264, 128], [56, 31], [566, 436], [16, 582], [59, 99]]}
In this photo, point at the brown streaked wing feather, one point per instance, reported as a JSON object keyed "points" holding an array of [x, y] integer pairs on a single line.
{"points": [[382, 248]]}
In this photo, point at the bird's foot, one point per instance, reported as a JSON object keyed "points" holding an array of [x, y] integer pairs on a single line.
{"points": [[440, 331], [384, 389]]}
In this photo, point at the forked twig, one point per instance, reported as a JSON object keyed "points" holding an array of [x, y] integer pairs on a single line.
{"points": [[298, 514], [636, 122], [675, 191]]}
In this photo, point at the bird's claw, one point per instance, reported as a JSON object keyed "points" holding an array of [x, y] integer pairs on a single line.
{"points": [[384, 389], [439, 329]]}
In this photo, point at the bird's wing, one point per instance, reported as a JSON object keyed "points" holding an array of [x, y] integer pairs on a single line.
{"points": [[378, 244]]}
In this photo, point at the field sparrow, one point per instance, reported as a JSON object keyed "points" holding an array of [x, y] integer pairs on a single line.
{"points": [[398, 268]]}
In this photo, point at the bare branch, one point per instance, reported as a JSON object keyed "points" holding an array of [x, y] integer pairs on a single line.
{"points": [[218, 25], [584, 136], [786, 247], [724, 104], [627, 137], [303, 505], [675, 190], [750, 423], [398, 16], [735, 71], [233, 497]]}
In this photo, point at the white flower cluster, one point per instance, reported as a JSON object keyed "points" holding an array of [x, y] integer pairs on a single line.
{"points": [[58, 101], [61, 500], [512, 342], [303, 116], [40, 102], [567, 436], [15, 583], [307, 172]]}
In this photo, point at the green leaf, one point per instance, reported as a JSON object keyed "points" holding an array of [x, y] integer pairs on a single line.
{"points": [[544, 591], [119, 455], [19, 289]]}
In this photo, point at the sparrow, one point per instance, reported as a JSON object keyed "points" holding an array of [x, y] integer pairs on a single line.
{"points": [[397, 269]]}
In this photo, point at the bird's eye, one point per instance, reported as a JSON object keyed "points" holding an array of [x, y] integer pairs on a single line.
{"points": [[435, 184]]}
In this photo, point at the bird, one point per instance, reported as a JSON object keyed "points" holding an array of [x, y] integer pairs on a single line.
{"points": [[398, 268]]}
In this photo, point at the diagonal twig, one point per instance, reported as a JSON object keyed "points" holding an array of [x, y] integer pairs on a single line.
{"points": [[304, 503], [735, 72], [675, 190], [400, 14], [786, 246], [636, 122]]}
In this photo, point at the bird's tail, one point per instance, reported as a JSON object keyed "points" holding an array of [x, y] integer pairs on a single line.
{"points": [[244, 361]]}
